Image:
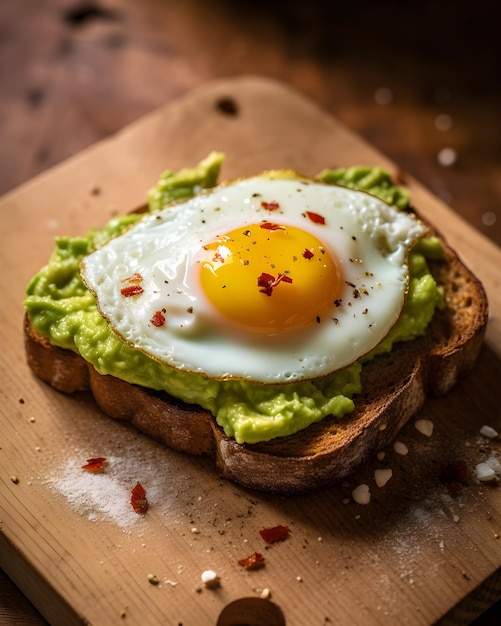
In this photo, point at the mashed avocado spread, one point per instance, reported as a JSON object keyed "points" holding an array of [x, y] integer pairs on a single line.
{"points": [[63, 310]]}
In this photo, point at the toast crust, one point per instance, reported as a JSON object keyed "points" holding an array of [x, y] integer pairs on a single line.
{"points": [[395, 387]]}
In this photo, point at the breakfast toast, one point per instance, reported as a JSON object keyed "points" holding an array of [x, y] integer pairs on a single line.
{"points": [[395, 386]]}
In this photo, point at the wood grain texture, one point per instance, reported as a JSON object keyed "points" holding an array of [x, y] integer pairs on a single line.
{"points": [[416, 552]]}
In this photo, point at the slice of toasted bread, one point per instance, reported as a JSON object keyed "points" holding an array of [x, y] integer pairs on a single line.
{"points": [[395, 386]]}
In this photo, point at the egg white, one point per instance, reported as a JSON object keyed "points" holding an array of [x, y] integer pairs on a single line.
{"points": [[370, 238]]}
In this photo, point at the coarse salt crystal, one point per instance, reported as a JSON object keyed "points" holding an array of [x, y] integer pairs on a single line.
{"points": [[484, 472], [489, 432], [425, 427], [210, 578], [362, 494], [400, 448], [494, 464], [382, 476]]}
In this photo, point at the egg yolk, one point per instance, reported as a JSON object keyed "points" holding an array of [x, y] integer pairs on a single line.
{"points": [[270, 278]]}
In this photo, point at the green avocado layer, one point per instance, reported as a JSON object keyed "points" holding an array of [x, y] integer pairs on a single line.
{"points": [[62, 309]]}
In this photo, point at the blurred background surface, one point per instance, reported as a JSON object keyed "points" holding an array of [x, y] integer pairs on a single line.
{"points": [[420, 80]]}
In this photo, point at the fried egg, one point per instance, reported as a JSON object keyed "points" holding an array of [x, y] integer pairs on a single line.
{"points": [[274, 278]]}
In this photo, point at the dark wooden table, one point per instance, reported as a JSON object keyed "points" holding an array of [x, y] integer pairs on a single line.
{"points": [[419, 80]]}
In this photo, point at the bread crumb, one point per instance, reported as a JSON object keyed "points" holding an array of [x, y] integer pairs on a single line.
{"points": [[382, 476], [15, 480], [152, 579], [400, 448], [265, 594], [425, 427]]}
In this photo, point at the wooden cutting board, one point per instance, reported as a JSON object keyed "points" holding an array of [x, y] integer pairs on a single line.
{"points": [[414, 555]]}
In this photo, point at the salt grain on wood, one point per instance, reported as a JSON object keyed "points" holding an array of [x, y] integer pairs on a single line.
{"points": [[210, 578], [361, 494], [485, 473], [382, 476], [400, 448], [489, 432], [425, 427]]}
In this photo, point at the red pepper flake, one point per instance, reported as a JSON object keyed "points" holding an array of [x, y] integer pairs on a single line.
{"points": [[135, 278], [277, 533], [315, 217], [138, 499], [267, 282], [133, 287], [131, 290], [95, 465], [308, 254], [158, 319], [454, 476], [252, 561], [218, 258], [270, 206], [272, 226]]}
